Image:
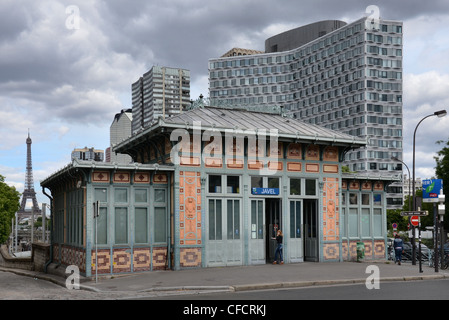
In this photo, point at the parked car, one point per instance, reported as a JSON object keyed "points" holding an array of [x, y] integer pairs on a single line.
{"points": [[408, 254]]}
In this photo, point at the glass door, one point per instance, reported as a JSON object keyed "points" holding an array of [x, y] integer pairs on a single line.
{"points": [[225, 241], [257, 238], [311, 230], [273, 215], [295, 237]]}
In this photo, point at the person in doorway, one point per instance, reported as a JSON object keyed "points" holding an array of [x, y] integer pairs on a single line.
{"points": [[279, 237], [398, 246]]}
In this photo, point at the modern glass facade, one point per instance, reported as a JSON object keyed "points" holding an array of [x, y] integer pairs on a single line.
{"points": [[348, 80]]}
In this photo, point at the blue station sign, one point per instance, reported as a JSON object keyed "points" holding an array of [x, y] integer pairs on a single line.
{"points": [[431, 189], [265, 191]]}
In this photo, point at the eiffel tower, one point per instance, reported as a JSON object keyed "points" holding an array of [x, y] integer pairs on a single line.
{"points": [[28, 192]]}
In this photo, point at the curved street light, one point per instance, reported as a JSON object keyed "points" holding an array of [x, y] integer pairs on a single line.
{"points": [[439, 114], [409, 207], [409, 181]]}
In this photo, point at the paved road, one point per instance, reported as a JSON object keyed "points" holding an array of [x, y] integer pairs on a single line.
{"points": [[392, 291], [18, 287]]}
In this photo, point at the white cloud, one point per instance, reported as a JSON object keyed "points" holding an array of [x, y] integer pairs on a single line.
{"points": [[63, 130], [66, 85]]}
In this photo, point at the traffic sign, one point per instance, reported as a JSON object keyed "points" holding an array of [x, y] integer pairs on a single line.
{"points": [[431, 189], [414, 220], [414, 213]]}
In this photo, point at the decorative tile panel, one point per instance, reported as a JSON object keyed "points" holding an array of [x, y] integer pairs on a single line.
{"points": [[121, 177], [142, 177], [313, 153], [330, 168], [379, 249], [294, 151], [331, 217], [142, 259], [294, 166], [160, 178], [159, 258], [121, 260], [331, 251], [366, 186], [190, 208], [104, 261], [100, 176], [190, 257], [378, 186], [312, 167], [330, 154]]}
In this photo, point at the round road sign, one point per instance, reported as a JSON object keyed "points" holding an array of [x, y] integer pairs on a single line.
{"points": [[414, 220]]}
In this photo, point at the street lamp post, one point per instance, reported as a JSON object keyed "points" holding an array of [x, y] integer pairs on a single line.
{"points": [[409, 178], [409, 208], [439, 114]]}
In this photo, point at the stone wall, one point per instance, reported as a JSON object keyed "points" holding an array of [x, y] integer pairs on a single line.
{"points": [[39, 257], [7, 261]]}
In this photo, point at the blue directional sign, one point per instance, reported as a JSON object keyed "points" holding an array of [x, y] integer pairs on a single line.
{"points": [[431, 189], [265, 191]]}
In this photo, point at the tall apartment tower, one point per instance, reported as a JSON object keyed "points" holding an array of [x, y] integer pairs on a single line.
{"points": [[119, 130], [346, 77], [162, 91]]}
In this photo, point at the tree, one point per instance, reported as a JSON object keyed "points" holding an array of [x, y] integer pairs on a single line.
{"points": [[9, 204], [442, 172]]}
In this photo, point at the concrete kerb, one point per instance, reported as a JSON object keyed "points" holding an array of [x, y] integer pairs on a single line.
{"points": [[231, 288], [301, 284]]}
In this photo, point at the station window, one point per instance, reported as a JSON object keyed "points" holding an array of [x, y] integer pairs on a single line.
{"points": [[141, 225], [311, 187], [140, 195], [233, 184], [256, 182], [159, 195], [121, 195], [295, 187], [160, 224], [224, 184], [273, 182], [365, 199], [215, 219], [101, 194], [121, 225], [214, 184], [377, 199]]}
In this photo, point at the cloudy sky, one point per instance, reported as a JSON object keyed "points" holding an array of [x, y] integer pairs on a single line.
{"points": [[66, 67]]}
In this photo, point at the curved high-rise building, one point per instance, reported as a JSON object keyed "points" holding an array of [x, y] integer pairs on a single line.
{"points": [[295, 38], [346, 77]]}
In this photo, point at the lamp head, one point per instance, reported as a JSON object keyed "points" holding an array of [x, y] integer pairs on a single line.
{"points": [[440, 113]]}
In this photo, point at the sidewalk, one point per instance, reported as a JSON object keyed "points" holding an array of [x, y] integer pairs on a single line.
{"points": [[242, 278], [266, 276]]}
